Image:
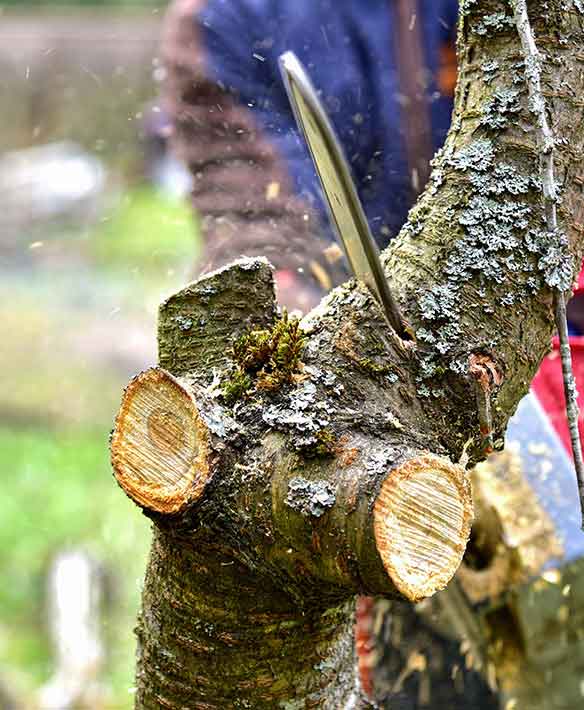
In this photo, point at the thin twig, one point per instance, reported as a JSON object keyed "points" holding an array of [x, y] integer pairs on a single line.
{"points": [[532, 60]]}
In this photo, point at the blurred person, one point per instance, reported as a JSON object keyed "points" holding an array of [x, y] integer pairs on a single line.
{"points": [[387, 70]]}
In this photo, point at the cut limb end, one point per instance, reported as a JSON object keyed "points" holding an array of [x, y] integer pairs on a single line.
{"points": [[160, 445], [422, 519]]}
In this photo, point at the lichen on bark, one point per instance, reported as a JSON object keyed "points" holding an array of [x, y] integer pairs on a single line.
{"points": [[480, 267], [246, 594]]}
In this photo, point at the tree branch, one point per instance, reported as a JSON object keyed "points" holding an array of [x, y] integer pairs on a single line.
{"points": [[551, 195], [334, 472]]}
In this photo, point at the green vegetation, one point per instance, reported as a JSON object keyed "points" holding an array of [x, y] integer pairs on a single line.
{"points": [[148, 230], [59, 493], [236, 387], [326, 444], [271, 356], [81, 317]]}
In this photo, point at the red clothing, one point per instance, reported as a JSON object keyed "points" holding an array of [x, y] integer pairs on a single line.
{"points": [[548, 384]]}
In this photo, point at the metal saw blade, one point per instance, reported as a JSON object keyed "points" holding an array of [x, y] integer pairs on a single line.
{"points": [[344, 206]]}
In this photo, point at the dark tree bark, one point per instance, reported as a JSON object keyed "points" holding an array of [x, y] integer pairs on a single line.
{"points": [[288, 470]]}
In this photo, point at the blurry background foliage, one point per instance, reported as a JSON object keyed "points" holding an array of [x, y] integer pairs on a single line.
{"points": [[84, 263]]}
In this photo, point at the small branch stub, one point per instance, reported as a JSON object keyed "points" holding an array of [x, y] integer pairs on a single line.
{"points": [[160, 445], [487, 378], [422, 520]]}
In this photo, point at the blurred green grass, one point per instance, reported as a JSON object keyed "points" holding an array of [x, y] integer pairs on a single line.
{"points": [[79, 328], [148, 230], [59, 494]]}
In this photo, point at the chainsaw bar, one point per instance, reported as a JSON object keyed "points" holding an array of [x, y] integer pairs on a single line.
{"points": [[344, 206]]}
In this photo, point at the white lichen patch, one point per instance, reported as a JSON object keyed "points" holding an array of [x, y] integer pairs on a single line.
{"points": [[503, 105], [310, 498]]}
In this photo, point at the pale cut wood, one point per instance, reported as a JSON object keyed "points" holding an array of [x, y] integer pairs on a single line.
{"points": [[160, 444], [422, 520], [513, 532]]}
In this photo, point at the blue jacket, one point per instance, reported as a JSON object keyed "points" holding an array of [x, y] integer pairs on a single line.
{"points": [[349, 49]]}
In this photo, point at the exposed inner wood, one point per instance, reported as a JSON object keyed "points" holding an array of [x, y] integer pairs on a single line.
{"points": [[422, 520], [513, 537], [159, 446]]}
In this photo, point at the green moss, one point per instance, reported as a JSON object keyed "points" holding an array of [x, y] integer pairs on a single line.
{"points": [[325, 444], [252, 350], [236, 387], [288, 343], [373, 368], [266, 358]]}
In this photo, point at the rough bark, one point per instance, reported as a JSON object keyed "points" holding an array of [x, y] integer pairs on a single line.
{"points": [[474, 266], [220, 636], [301, 496], [289, 515]]}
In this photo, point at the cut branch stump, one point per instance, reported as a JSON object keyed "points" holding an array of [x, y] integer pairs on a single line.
{"points": [[293, 488]]}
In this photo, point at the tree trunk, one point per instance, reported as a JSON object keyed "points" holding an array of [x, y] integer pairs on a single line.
{"points": [[290, 499], [287, 468]]}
